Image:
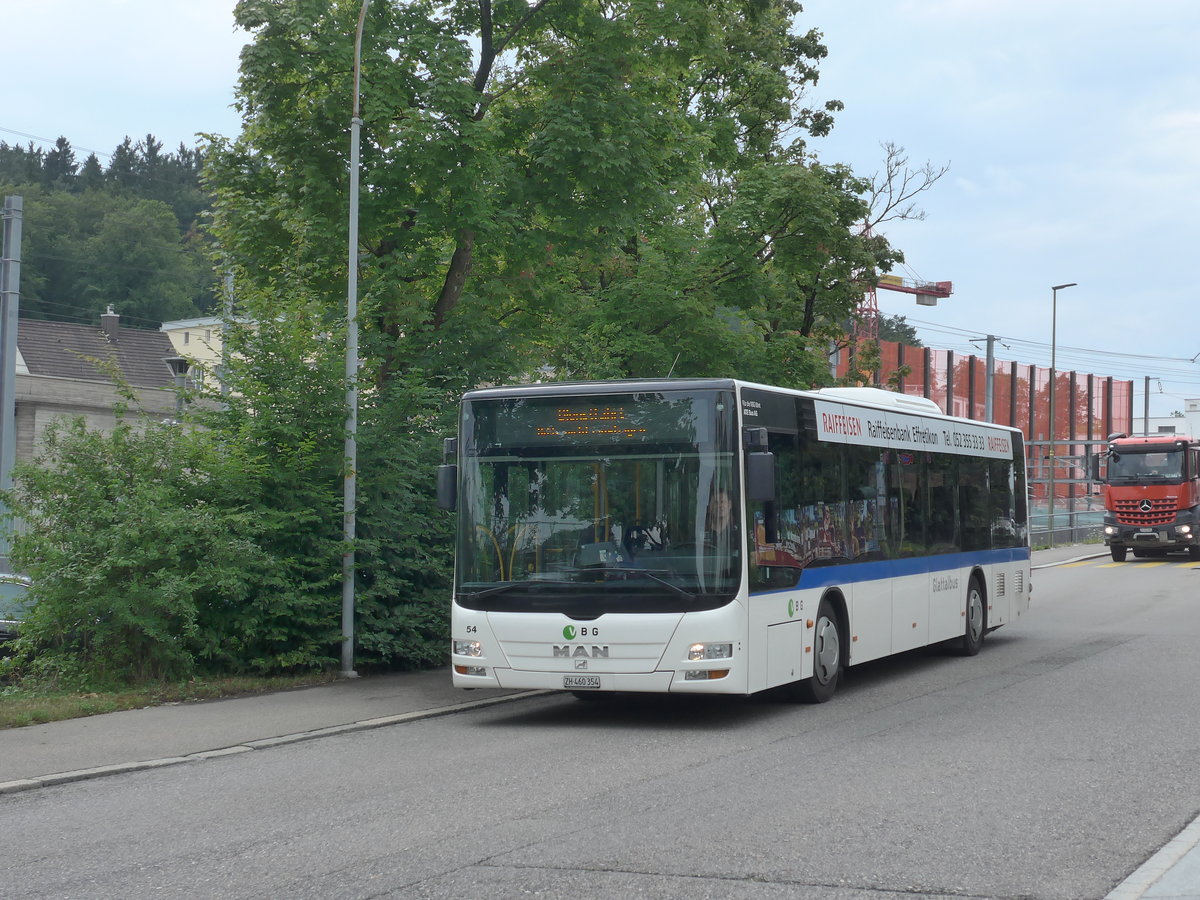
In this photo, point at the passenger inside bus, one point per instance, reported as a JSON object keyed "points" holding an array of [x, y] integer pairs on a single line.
{"points": [[719, 520]]}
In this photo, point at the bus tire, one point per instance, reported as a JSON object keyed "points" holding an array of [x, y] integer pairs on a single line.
{"points": [[1118, 552], [827, 657], [976, 616]]}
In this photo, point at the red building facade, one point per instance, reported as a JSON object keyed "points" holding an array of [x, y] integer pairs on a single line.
{"points": [[1087, 407]]}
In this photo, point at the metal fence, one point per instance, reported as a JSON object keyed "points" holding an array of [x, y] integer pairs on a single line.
{"points": [[1078, 510]]}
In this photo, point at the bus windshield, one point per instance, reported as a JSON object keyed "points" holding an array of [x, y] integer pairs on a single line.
{"points": [[598, 503], [1157, 467]]}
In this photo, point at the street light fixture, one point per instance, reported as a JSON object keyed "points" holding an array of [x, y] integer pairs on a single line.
{"points": [[349, 480], [1054, 289]]}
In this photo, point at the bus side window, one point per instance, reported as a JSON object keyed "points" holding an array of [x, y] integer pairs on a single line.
{"points": [[942, 515], [906, 501], [866, 488], [973, 505]]}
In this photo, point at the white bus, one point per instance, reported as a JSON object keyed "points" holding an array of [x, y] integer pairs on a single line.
{"points": [[593, 553]]}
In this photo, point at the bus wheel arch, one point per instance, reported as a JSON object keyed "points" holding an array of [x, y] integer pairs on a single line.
{"points": [[975, 613], [828, 649]]}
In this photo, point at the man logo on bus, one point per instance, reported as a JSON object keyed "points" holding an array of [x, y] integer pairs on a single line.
{"points": [[569, 632]]}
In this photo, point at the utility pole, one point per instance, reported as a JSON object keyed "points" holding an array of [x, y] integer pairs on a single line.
{"points": [[989, 379], [350, 480], [1146, 407], [10, 285]]}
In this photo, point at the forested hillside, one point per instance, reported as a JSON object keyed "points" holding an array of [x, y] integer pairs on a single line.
{"points": [[124, 234]]}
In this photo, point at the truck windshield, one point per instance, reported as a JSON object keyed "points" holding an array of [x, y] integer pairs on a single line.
{"points": [[588, 504], [1156, 467]]}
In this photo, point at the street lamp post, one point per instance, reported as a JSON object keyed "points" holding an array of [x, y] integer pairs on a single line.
{"points": [[349, 481], [1053, 375]]}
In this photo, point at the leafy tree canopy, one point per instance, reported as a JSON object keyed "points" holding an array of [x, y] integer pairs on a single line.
{"points": [[126, 235], [598, 186]]}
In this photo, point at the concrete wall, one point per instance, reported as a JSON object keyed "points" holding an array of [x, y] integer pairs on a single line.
{"points": [[42, 399]]}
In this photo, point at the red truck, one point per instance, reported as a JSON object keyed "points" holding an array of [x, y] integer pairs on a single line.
{"points": [[1152, 495]]}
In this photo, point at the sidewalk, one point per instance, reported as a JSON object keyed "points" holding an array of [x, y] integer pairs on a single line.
{"points": [[93, 747]]}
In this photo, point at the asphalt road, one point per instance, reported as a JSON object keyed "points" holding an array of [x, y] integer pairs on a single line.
{"points": [[1049, 766]]}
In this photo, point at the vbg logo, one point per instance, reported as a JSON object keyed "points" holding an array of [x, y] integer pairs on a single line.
{"points": [[569, 632]]}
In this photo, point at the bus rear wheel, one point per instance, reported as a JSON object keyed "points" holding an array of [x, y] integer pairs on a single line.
{"points": [[1118, 553], [827, 658], [976, 616]]}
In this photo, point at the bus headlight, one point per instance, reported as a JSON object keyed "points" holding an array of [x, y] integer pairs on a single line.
{"points": [[468, 648], [698, 652]]}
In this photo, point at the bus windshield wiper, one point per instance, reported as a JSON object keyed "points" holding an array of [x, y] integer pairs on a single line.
{"points": [[498, 589], [646, 572]]}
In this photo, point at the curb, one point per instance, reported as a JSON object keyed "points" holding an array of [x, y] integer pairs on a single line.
{"points": [[1157, 866], [1063, 562], [25, 784]]}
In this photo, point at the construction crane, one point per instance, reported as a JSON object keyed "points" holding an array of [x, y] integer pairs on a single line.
{"points": [[927, 293]]}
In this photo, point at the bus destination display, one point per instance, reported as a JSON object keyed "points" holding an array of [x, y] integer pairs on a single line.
{"points": [[616, 420], [595, 420]]}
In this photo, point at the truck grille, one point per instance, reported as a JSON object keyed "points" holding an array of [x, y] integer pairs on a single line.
{"points": [[1130, 512]]}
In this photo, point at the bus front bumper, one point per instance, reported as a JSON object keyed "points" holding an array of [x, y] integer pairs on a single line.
{"points": [[710, 680]]}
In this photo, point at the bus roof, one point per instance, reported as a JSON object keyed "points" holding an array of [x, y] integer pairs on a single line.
{"points": [[876, 398]]}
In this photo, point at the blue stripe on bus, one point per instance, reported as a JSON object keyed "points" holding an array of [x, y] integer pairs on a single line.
{"points": [[879, 569]]}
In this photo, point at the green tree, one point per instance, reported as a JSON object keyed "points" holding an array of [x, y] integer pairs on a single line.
{"points": [[491, 177], [149, 560], [137, 263], [91, 175], [897, 330], [59, 165]]}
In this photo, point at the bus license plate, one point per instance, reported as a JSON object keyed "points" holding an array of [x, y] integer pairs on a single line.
{"points": [[581, 682]]}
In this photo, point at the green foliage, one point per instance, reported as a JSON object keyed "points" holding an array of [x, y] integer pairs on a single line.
{"points": [[405, 548], [148, 561], [126, 236], [897, 329], [519, 158]]}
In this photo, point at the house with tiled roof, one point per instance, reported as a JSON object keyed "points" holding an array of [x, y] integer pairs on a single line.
{"points": [[65, 369]]}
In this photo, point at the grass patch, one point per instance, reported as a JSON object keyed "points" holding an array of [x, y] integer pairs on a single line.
{"points": [[20, 706]]}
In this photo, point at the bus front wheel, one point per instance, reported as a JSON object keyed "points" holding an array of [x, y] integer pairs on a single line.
{"points": [[827, 658], [1118, 552], [976, 616]]}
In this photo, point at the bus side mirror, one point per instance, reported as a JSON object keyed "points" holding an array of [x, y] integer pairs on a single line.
{"points": [[447, 487], [1096, 467], [760, 477]]}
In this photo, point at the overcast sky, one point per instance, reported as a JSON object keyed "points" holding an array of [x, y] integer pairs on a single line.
{"points": [[1071, 129]]}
